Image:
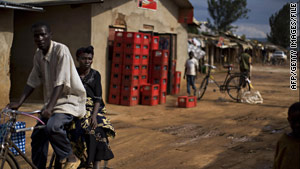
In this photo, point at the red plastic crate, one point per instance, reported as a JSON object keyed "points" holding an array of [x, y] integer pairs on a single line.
{"points": [[187, 101], [173, 66], [151, 100], [176, 89], [159, 71], [146, 39], [114, 98], [160, 56], [115, 88], [162, 97], [155, 42], [145, 49], [163, 87], [131, 69], [118, 47], [177, 77], [116, 68], [130, 58], [116, 78], [144, 69], [119, 36], [143, 79], [162, 82], [130, 90], [130, 79], [150, 89], [144, 59], [129, 100], [133, 37], [133, 48], [117, 57]]}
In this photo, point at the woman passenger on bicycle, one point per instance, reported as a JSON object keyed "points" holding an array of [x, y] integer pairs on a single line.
{"points": [[95, 125]]}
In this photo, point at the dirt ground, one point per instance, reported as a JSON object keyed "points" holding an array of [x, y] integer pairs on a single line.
{"points": [[217, 134]]}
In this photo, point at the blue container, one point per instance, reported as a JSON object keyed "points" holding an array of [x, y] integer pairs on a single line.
{"points": [[18, 138]]}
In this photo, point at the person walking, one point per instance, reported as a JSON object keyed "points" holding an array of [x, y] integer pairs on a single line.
{"points": [[190, 73], [64, 98]]}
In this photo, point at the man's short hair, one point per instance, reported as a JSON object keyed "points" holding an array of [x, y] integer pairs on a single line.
{"points": [[41, 24], [191, 53], [294, 108]]}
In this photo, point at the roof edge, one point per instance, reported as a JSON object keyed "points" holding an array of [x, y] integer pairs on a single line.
{"points": [[19, 6]]}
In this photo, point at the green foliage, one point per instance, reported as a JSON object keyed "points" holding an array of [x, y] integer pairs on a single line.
{"points": [[243, 37], [193, 29], [279, 23], [225, 12]]}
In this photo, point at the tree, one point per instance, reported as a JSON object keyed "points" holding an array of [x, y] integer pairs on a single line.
{"points": [[225, 12], [279, 23]]}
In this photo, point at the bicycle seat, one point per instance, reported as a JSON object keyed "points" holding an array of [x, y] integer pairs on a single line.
{"points": [[228, 66]]}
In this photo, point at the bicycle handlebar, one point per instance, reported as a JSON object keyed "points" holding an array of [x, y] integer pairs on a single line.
{"points": [[30, 128], [30, 114], [5, 110]]}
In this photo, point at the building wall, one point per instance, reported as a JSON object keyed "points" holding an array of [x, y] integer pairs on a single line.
{"points": [[6, 38], [70, 25], [164, 20]]}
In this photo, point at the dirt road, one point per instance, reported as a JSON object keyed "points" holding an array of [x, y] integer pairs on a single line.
{"points": [[217, 134]]}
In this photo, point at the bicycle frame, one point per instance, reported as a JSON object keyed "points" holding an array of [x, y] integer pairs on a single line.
{"points": [[222, 86], [8, 143]]}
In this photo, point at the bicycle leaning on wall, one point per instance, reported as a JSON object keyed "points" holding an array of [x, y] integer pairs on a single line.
{"points": [[234, 83]]}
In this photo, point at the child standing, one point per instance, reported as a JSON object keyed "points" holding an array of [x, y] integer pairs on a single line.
{"points": [[287, 154]]}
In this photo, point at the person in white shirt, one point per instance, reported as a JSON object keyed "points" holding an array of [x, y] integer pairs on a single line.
{"points": [[190, 72], [64, 97]]}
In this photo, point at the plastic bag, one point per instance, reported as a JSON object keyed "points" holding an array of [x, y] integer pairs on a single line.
{"points": [[251, 97]]}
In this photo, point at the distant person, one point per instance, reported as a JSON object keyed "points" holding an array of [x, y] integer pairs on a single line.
{"points": [[287, 155], [245, 63], [190, 73], [95, 125], [64, 97], [264, 56]]}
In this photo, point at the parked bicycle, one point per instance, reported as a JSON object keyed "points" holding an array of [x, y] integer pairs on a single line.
{"points": [[233, 83], [8, 119]]}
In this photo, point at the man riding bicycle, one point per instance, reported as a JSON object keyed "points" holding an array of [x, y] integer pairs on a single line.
{"points": [[64, 97]]}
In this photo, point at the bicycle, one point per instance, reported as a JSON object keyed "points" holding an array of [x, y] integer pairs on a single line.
{"points": [[7, 159], [233, 83]]}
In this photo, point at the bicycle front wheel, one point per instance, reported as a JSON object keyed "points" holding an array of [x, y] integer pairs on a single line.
{"points": [[9, 162], [202, 87], [236, 85]]}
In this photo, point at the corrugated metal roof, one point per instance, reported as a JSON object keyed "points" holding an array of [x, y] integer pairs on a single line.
{"points": [[181, 3], [19, 6], [54, 2]]}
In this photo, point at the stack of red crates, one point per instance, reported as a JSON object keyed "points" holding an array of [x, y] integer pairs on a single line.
{"points": [[133, 42], [150, 94], [131, 68], [154, 45], [144, 61], [159, 72], [176, 82], [116, 69]]}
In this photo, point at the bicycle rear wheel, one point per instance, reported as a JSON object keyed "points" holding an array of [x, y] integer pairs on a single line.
{"points": [[236, 85], [9, 162], [202, 87]]}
